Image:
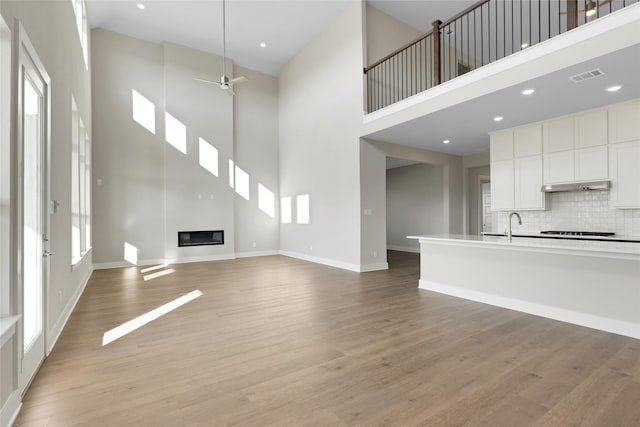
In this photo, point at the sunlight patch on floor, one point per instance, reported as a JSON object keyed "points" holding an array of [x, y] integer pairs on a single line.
{"points": [[130, 326]]}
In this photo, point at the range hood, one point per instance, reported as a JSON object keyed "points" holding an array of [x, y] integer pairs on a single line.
{"points": [[577, 186]]}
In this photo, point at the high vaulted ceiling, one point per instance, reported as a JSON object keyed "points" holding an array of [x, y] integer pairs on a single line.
{"points": [[285, 26]]}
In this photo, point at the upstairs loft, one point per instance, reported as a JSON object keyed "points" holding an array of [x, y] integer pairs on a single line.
{"points": [[462, 108], [482, 34]]}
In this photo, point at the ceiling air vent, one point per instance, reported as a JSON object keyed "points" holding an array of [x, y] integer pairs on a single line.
{"points": [[587, 75]]}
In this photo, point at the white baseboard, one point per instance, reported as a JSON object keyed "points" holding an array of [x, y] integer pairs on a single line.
{"points": [[149, 262], [9, 412], [57, 328], [256, 253], [577, 318], [365, 268], [338, 264], [403, 249], [123, 264], [185, 260]]}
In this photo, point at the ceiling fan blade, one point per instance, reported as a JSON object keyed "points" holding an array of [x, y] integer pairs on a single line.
{"points": [[230, 91], [208, 81], [238, 80]]}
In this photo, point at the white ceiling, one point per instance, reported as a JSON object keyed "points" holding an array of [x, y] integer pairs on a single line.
{"points": [[288, 25], [284, 25], [421, 14]]}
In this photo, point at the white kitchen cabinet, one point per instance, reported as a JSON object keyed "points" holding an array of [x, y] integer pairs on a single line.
{"points": [[501, 145], [624, 122], [528, 183], [591, 164], [527, 140], [624, 171], [590, 129], [558, 167], [502, 185], [558, 135]]}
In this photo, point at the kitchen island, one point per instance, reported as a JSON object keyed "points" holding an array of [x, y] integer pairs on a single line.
{"points": [[589, 283]]}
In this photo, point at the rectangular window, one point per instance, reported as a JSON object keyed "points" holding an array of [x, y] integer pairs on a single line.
{"points": [[80, 186], [80, 11]]}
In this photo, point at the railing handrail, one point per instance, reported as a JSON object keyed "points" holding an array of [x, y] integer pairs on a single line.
{"points": [[400, 49], [424, 36], [464, 12]]}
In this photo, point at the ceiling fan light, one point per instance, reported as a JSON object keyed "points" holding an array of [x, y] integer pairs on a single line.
{"points": [[591, 9]]}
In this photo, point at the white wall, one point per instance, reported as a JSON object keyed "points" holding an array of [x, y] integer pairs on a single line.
{"points": [[128, 160], [256, 151], [385, 34], [374, 239], [52, 29], [415, 204], [150, 188], [320, 116]]}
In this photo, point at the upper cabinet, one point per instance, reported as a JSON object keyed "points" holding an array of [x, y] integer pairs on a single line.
{"points": [[595, 145], [527, 140], [590, 129], [558, 135], [625, 174], [516, 169], [575, 148], [624, 122], [501, 145]]}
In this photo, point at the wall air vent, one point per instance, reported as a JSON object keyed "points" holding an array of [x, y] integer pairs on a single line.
{"points": [[587, 75]]}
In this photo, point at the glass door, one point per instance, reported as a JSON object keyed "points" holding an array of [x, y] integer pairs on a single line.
{"points": [[33, 263]]}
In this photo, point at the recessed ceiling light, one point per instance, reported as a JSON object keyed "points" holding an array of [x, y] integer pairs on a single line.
{"points": [[528, 91], [446, 141], [614, 88], [263, 44], [140, 6], [524, 45], [498, 118]]}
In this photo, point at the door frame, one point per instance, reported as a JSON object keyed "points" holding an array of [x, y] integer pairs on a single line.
{"points": [[25, 51], [481, 180]]}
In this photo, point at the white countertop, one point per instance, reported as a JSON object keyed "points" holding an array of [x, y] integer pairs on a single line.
{"points": [[621, 250]]}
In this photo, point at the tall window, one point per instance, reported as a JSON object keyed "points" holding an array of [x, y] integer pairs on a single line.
{"points": [[80, 186], [80, 10]]}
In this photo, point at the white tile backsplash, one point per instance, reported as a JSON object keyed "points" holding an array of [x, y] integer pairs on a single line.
{"points": [[576, 211]]}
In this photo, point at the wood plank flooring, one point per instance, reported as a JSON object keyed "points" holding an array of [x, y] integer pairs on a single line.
{"points": [[282, 342]]}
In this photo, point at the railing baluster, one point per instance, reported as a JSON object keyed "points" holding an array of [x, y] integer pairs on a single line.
{"points": [[427, 61]]}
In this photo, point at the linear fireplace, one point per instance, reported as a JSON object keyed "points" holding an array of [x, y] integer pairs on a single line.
{"points": [[200, 238]]}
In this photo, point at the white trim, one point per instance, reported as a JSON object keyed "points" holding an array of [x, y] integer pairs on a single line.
{"points": [[8, 328], [324, 261], [206, 258], [124, 264], [337, 264], [54, 333], [256, 254], [403, 249], [10, 410], [365, 268], [577, 318]]}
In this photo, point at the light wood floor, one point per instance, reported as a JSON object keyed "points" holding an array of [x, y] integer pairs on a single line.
{"points": [[277, 341]]}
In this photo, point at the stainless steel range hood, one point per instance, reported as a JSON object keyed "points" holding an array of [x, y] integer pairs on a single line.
{"points": [[577, 186]]}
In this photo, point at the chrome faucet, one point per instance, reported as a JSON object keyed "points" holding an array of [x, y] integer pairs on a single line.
{"points": [[510, 235]]}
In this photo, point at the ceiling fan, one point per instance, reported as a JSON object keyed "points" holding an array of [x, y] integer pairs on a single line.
{"points": [[225, 83]]}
